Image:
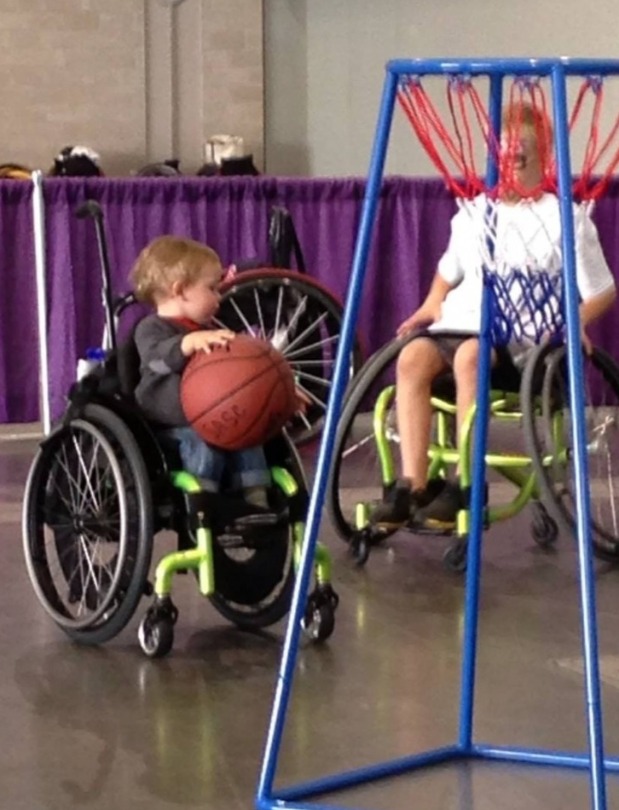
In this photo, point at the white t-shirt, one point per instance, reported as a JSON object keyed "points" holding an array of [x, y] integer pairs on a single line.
{"points": [[526, 235]]}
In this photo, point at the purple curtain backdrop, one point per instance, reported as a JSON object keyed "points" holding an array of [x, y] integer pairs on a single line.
{"points": [[230, 214]]}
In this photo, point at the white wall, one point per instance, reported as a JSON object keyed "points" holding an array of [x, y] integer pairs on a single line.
{"points": [[137, 80], [324, 66]]}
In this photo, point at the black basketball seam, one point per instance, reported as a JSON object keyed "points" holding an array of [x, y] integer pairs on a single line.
{"points": [[238, 387], [276, 363], [189, 371], [257, 419]]}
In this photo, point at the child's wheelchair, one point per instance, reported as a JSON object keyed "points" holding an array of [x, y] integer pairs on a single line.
{"points": [[101, 486], [364, 468]]}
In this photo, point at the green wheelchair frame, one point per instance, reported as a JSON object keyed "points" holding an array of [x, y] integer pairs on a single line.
{"points": [[156, 629], [514, 467]]}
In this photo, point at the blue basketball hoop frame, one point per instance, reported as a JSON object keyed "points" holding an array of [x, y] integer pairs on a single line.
{"points": [[556, 70]]}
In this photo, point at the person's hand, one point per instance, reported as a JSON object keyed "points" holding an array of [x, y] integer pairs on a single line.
{"points": [[205, 340], [586, 342], [424, 316]]}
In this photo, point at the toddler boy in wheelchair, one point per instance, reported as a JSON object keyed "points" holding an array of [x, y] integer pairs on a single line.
{"points": [[451, 313], [180, 279]]}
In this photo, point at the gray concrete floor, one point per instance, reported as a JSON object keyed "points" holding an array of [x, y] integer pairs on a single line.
{"points": [[106, 728]]}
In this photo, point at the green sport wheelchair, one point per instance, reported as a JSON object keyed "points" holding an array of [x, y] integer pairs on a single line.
{"points": [[532, 405]]}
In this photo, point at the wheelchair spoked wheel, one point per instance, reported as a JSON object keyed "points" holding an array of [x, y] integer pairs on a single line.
{"points": [[356, 475], [88, 525], [303, 321], [547, 427]]}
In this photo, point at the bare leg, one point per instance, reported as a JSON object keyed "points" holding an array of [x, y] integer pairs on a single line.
{"points": [[466, 362], [419, 363]]}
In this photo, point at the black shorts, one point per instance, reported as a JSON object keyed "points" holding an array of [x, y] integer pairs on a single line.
{"points": [[505, 375]]}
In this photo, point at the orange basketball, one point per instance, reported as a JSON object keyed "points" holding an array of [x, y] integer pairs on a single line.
{"points": [[240, 395]]}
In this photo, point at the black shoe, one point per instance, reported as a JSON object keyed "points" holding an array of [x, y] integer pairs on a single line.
{"points": [[423, 497], [394, 511], [441, 513]]}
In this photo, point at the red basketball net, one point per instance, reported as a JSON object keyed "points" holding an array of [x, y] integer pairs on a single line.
{"points": [[452, 141], [518, 256]]}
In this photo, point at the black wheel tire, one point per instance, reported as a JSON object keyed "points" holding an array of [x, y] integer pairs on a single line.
{"points": [[455, 557], [51, 581], [545, 372], [360, 549], [156, 636], [356, 399], [544, 529], [253, 302], [253, 588]]}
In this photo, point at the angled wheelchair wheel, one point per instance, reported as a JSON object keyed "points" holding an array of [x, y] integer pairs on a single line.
{"points": [[548, 433], [253, 583], [88, 525], [356, 473], [302, 320]]}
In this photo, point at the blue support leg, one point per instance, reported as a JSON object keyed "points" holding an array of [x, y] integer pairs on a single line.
{"points": [[579, 442], [340, 379]]}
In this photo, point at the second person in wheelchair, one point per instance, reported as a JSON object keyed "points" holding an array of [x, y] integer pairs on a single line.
{"points": [[180, 279], [526, 228]]}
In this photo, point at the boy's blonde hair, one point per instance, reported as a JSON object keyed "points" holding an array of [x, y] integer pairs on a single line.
{"points": [[167, 260]]}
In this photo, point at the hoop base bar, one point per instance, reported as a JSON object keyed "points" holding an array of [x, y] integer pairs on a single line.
{"points": [[288, 797]]}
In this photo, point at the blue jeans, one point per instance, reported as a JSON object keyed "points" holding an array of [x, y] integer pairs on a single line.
{"points": [[245, 468]]}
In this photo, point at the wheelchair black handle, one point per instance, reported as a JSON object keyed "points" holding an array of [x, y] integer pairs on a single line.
{"points": [[122, 302]]}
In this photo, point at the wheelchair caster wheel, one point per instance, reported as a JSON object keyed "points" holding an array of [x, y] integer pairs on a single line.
{"points": [[318, 622], [156, 631], [319, 619], [454, 558], [156, 637], [360, 548], [543, 528]]}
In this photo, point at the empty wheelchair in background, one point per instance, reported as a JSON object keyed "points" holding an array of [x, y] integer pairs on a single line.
{"points": [[541, 473], [303, 321], [101, 487], [296, 313]]}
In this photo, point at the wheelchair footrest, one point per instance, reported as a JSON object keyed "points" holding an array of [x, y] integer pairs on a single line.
{"points": [[257, 520], [419, 528], [251, 530]]}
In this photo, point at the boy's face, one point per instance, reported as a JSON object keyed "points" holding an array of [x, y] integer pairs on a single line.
{"points": [[521, 163], [200, 300]]}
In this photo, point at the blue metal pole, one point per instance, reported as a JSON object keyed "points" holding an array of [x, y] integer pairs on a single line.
{"points": [[477, 505], [340, 379], [579, 439]]}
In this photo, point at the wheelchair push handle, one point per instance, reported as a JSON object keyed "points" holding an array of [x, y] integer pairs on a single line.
{"points": [[92, 210]]}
